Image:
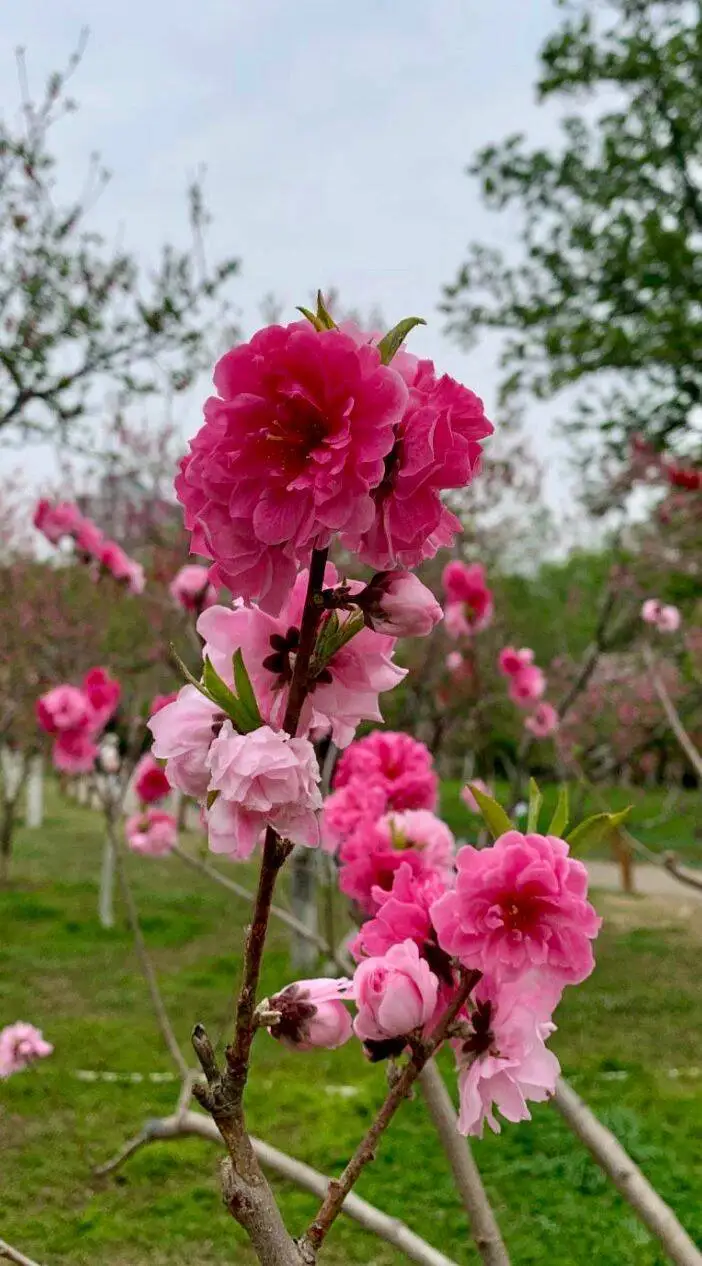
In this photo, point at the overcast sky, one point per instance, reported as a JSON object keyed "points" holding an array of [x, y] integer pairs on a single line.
{"points": [[335, 137]]}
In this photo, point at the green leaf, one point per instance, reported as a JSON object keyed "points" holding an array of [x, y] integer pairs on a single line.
{"points": [[313, 320], [244, 690], [596, 827], [193, 681], [324, 317], [559, 821], [493, 814], [535, 802], [219, 692], [391, 342]]}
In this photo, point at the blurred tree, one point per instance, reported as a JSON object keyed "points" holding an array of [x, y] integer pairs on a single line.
{"points": [[76, 312], [607, 294]]}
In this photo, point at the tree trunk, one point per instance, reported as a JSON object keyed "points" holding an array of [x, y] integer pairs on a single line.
{"points": [[34, 808], [106, 900], [7, 827], [303, 900]]}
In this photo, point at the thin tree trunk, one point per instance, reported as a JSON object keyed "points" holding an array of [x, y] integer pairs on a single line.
{"points": [[648, 1206], [303, 902], [482, 1220], [106, 898], [34, 806], [7, 828]]}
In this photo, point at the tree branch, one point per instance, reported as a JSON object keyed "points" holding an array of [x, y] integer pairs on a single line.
{"points": [[609, 1154], [672, 715], [13, 1255], [194, 1124], [339, 1188]]}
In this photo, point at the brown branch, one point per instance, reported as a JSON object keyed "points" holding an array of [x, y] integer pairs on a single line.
{"points": [[672, 715], [142, 953], [671, 862], [13, 1255], [194, 1124], [339, 1188], [609, 1154], [482, 1220]]}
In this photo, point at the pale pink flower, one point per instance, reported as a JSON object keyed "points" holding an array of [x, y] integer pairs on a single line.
{"points": [[55, 521], [456, 621], [511, 662], [651, 610], [265, 779], [543, 721], [436, 446], [527, 685], [289, 452], [395, 994], [402, 914], [312, 1014], [517, 906], [454, 661], [191, 588], [183, 731], [103, 692], [469, 799], [669, 620], [398, 604], [506, 1062], [20, 1045], [161, 701], [74, 752], [345, 691], [150, 781], [63, 708], [151, 832]]}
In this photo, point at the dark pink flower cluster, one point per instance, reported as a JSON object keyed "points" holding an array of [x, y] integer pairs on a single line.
{"points": [[527, 684], [63, 519], [386, 771], [75, 716], [469, 601], [310, 435]]}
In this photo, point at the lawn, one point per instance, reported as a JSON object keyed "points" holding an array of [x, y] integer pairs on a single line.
{"points": [[629, 1039]]}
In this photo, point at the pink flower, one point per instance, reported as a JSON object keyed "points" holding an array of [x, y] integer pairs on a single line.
{"points": [[454, 661], [345, 691], [161, 701], [467, 795], [371, 856], [150, 781], [519, 905], [397, 762], [469, 601], [665, 619], [506, 1062], [349, 808], [312, 1014], [63, 708], [151, 832], [511, 662], [20, 1045], [103, 693], [402, 914], [122, 567], [289, 452], [398, 604], [527, 685], [55, 521], [436, 446], [395, 994], [183, 731], [191, 588], [74, 752], [543, 721], [265, 779], [89, 539]]}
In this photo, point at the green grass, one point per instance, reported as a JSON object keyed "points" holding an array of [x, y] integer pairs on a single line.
{"points": [[619, 1035], [680, 830]]}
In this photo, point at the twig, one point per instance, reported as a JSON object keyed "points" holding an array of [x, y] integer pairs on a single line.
{"points": [[649, 1207], [482, 1220], [390, 1229], [13, 1255], [145, 963], [673, 716], [339, 1188], [672, 865]]}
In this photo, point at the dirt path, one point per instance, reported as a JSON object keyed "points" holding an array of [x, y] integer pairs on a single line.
{"points": [[649, 881]]}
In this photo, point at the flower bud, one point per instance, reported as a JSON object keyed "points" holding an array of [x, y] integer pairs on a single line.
{"points": [[312, 1013], [398, 604]]}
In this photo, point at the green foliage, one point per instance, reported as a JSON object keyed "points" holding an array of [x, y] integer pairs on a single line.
{"points": [[606, 295], [165, 1206]]}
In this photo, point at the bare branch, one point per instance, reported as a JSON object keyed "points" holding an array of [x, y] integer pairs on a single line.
{"points": [[13, 1255], [387, 1228], [673, 716], [609, 1154]]}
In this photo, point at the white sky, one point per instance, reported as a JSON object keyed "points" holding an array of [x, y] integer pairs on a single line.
{"points": [[335, 138]]}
